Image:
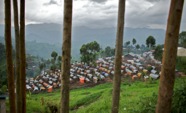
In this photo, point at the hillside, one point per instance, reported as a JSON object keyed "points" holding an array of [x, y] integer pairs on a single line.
{"points": [[97, 99], [52, 34], [40, 49]]}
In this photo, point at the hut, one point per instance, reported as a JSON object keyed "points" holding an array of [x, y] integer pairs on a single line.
{"points": [[50, 88]]}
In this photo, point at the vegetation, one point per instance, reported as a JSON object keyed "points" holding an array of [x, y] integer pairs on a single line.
{"points": [[59, 59], [127, 43], [148, 103], [54, 55], [33, 65], [53, 61], [180, 60], [38, 49], [127, 46], [3, 77], [158, 52], [182, 39], [179, 101], [42, 66], [133, 41], [109, 51], [3, 89], [137, 46], [89, 52], [150, 41], [134, 98], [181, 64]]}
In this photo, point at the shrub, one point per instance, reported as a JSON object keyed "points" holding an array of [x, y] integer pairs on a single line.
{"points": [[52, 107], [149, 68], [179, 98], [148, 104], [3, 89]]}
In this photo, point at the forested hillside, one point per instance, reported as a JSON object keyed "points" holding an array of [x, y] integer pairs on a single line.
{"points": [[38, 49]]}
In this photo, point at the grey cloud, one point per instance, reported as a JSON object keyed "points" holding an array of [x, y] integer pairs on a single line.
{"points": [[155, 16], [101, 13], [99, 1], [152, 0], [1, 11], [51, 2]]}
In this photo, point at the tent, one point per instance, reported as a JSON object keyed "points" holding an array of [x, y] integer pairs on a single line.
{"points": [[181, 51]]}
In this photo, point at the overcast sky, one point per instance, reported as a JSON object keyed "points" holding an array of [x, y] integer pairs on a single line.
{"points": [[100, 13]]}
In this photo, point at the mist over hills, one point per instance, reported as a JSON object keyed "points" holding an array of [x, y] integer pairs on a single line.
{"points": [[51, 34], [43, 50]]}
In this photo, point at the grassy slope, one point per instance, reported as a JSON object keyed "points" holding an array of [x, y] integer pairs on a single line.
{"points": [[96, 99]]}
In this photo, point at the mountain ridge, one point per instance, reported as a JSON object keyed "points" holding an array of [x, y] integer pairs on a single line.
{"points": [[52, 34]]}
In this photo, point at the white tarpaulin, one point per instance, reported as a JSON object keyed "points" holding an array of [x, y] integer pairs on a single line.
{"points": [[181, 51]]}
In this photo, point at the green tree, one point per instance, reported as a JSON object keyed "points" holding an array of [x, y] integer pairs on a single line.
{"points": [[3, 90], [133, 41], [158, 52], [127, 46], [137, 46], [150, 41], [54, 55], [53, 67], [182, 39], [53, 61], [127, 43], [89, 51], [109, 51], [59, 59], [42, 66], [101, 53]]}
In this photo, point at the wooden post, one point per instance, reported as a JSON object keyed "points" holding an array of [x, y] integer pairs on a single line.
{"points": [[9, 60], [66, 56], [118, 58], [167, 77], [22, 54]]}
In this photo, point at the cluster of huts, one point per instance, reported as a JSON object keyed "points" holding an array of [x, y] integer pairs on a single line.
{"points": [[133, 66], [44, 82]]}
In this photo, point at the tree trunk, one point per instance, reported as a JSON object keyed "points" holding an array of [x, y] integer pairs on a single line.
{"points": [[169, 58], [9, 61], [22, 58], [66, 56], [118, 58], [17, 73]]}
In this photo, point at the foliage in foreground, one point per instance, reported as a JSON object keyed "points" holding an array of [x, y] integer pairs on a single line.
{"points": [[148, 104]]}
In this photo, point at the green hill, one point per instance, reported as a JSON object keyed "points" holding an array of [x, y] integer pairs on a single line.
{"points": [[97, 99]]}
